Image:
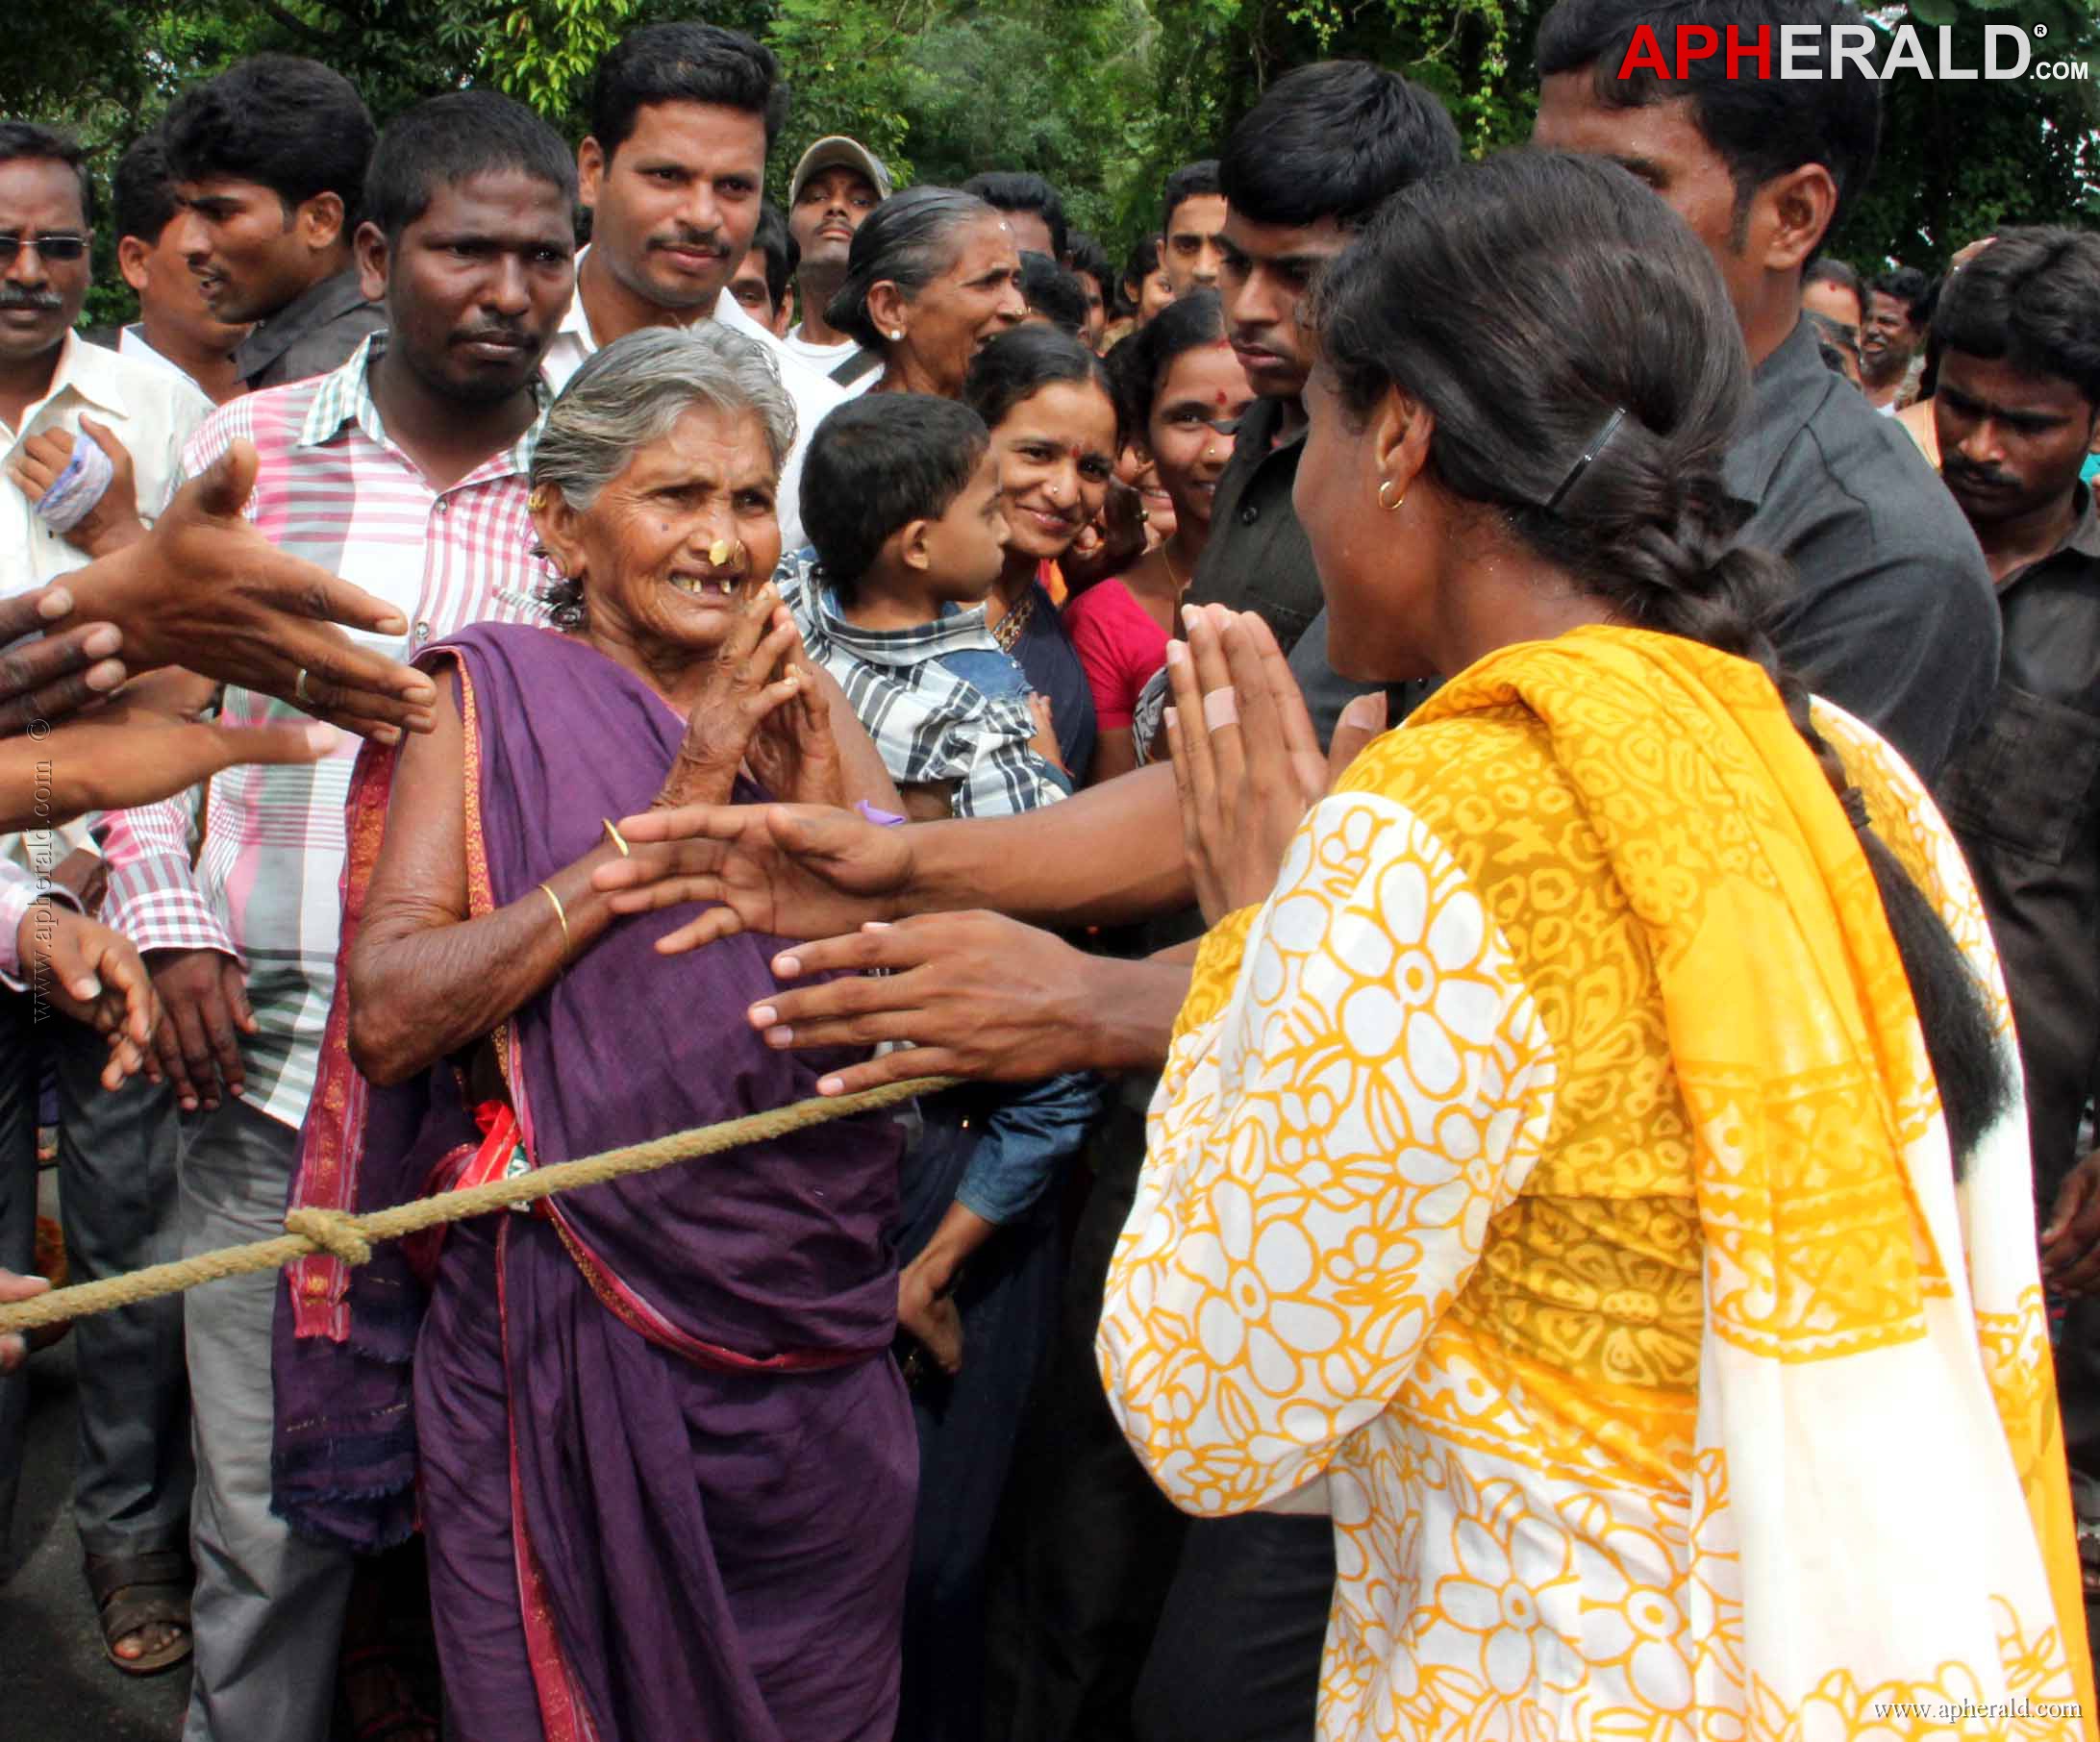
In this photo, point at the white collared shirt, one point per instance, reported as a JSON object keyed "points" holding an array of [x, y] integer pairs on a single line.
{"points": [[153, 412], [133, 344], [814, 394]]}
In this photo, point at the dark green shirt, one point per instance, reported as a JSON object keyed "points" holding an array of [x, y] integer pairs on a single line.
{"points": [[311, 335], [1891, 616], [1258, 560]]}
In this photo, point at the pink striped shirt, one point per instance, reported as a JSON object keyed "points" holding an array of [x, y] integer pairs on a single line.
{"points": [[265, 886]]}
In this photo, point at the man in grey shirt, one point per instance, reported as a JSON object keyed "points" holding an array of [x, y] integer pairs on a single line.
{"points": [[268, 160]]}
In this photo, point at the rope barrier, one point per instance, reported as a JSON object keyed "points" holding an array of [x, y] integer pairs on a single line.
{"points": [[350, 1237]]}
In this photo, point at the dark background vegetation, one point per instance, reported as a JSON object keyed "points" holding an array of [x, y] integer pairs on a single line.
{"points": [[1102, 96]]}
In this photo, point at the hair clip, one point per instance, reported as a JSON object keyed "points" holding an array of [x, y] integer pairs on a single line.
{"points": [[1595, 446]]}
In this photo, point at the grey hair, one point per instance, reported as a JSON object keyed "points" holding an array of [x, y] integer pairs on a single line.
{"points": [[630, 394], [908, 240]]}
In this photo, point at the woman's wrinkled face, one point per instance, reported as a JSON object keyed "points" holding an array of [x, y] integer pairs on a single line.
{"points": [[957, 315], [1198, 409], [675, 543], [1055, 451]]}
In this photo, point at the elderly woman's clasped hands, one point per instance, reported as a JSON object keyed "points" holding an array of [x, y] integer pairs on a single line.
{"points": [[762, 709]]}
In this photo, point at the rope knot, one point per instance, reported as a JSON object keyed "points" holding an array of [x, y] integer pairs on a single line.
{"points": [[333, 1232]]}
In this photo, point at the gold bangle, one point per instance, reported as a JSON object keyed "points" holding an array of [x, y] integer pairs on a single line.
{"points": [[567, 942], [614, 836]]}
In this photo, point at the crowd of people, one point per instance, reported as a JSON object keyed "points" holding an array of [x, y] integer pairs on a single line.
{"points": [[1485, 776]]}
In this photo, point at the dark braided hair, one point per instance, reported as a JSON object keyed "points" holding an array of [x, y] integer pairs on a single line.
{"points": [[1526, 300]]}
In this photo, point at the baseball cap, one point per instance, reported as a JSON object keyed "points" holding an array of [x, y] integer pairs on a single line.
{"points": [[832, 153]]}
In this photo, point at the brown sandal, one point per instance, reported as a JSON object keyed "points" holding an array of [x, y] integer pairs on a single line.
{"points": [[135, 1591]]}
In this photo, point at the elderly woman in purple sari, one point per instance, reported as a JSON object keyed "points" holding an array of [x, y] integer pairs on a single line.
{"points": [[663, 1459]]}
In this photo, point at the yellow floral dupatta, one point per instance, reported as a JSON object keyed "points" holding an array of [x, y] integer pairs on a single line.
{"points": [[1881, 1514]]}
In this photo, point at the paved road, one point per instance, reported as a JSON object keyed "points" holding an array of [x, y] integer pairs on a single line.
{"points": [[54, 1683]]}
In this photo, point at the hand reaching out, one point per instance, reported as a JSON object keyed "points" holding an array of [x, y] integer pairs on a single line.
{"points": [[205, 590], [47, 673], [143, 745], [799, 871], [926, 1311]]}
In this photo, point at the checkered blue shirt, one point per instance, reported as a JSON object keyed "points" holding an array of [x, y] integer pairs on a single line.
{"points": [[928, 723]]}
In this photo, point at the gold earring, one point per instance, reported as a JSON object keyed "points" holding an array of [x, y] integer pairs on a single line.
{"points": [[1393, 507], [537, 502]]}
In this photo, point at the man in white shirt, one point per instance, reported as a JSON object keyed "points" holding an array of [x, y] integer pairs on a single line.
{"points": [[176, 327], [682, 116], [132, 1477], [837, 182]]}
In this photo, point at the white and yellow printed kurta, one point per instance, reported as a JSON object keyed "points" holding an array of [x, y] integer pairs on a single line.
{"points": [[1550, 1170]]}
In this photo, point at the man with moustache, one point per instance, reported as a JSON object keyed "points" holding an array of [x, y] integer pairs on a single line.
{"points": [[71, 413], [837, 182], [1898, 310], [404, 470], [673, 169], [2017, 411], [176, 327], [268, 158]]}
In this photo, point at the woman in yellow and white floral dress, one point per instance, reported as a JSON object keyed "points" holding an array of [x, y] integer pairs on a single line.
{"points": [[1590, 1163]]}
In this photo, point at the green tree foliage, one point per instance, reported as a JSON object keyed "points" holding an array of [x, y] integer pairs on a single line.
{"points": [[1961, 160], [1103, 96]]}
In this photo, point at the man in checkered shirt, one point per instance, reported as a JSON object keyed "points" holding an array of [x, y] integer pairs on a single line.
{"points": [[405, 472]]}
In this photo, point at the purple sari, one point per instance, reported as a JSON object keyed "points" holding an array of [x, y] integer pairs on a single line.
{"points": [[666, 1465]]}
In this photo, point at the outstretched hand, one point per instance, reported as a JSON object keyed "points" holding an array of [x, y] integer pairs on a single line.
{"points": [[798, 871], [979, 995], [144, 745], [60, 671], [204, 590]]}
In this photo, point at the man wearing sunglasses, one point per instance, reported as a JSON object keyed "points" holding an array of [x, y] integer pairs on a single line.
{"points": [[91, 448], [50, 381]]}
